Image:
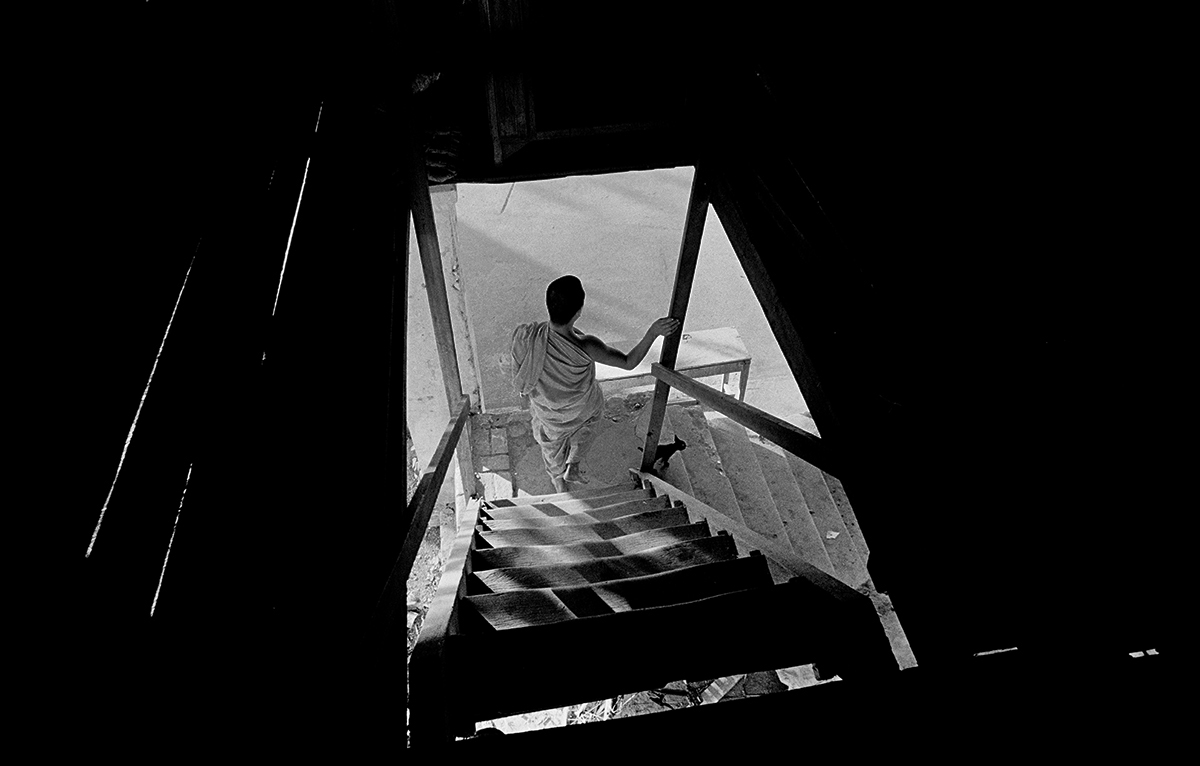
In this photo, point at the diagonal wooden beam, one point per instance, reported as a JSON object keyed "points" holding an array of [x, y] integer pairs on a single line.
{"points": [[439, 306], [435, 280], [728, 209], [685, 272]]}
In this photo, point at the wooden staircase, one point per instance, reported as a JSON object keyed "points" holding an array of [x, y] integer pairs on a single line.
{"points": [[584, 596]]}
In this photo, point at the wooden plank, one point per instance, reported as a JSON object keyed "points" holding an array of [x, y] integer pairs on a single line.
{"points": [[524, 515], [685, 272], [608, 513], [569, 505], [746, 477], [429, 671], [748, 539], [541, 555], [435, 279], [795, 440], [575, 495], [594, 532], [793, 509], [439, 306], [703, 551], [849, 565], [793, 627], [421, 507], [542, 606]]}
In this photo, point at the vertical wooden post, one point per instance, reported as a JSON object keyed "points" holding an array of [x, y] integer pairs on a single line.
{"points": [[685, 272], [398, 404], [439, 307]]}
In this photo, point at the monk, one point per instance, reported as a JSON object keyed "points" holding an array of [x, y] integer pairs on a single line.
{"points": [[555, 366]]}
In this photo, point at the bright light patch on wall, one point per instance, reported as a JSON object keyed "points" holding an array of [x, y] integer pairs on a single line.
{"points": [[295, 215], [171, 542], [995, 651], [141, 403]]}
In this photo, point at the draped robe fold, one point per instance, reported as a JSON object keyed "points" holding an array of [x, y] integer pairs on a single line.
{"points": [[565, 400]]}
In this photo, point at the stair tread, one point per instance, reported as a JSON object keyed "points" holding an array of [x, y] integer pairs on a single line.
{"points": [[848, 564], [554, 514], [565, 505], [610, 513], [564, 534], [848, 518], [793, 510], [746, 477], [580, 494], [703, 463], [645, 648], [541, 555], [538, 606], [702, 551]]}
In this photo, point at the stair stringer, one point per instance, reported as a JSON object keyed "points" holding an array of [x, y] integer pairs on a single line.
{"points": [[702, 461], [787, 563], [429, 690], [869, 632], [746, 477], [849, 564]]}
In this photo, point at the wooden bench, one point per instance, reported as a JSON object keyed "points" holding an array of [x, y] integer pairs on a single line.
{"points": [[701, 353]]}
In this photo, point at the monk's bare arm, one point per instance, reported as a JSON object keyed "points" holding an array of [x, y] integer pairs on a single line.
{"points": [[601, 352]]}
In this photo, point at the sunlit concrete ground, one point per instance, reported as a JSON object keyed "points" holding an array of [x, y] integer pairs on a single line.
{"points": [[620, 234]]}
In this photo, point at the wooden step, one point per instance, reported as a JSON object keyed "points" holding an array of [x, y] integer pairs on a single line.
{"points": [[848, 564], [564, 506], [525, 513], [591, 658], [574, 553], [705, 550], [611, 513], [703, 463], [541, 606], [746, 477], [581, 494], [848, 518], [566, 534], [789, 500]]}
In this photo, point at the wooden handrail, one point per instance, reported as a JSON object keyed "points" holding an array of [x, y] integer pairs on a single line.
{"points": [[799, 442], [420, 508]]}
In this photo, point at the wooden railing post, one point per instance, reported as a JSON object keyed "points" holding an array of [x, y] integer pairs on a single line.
{"points": [[439, 306], [685, 272]]}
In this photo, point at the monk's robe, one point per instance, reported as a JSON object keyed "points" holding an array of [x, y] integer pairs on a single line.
{"points": [[565, 400]]}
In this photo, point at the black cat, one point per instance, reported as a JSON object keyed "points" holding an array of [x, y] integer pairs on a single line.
{"points": [[662, 454]]}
